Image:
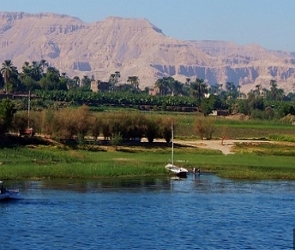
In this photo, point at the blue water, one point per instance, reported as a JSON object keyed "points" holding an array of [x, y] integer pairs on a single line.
{"points": [[206, 212]]}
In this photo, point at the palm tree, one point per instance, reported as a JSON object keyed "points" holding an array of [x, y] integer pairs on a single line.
{"points": [[199, 89], [214, 89], [117, 76], [77, 80], [112, 82], [134, 81], [7, 71], [258, 89], [33, 71], [160, 84], [86, 81], [275, 93], [36, 71], [43, 64], [163, 85], [175, 86], [239, 91]]}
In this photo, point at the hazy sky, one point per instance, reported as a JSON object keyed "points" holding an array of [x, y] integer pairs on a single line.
{"points": [[269, 23]]}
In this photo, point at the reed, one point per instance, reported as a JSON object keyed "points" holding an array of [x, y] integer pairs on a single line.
{"points": [[251, 161]]}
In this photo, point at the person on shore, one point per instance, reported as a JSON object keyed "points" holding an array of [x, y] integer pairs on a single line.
{"points": [[196, 171]]}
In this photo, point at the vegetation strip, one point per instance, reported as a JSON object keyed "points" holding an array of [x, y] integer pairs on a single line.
{"points": [[51, 162]]}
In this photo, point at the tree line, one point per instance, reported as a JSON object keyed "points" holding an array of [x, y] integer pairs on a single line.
{"points": [[81, 123], [47, 83]]}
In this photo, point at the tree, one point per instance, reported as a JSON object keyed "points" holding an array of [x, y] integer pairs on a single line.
{"points": [[33, 71], [7, 111], [113, 80], [51, 81], [199, 89], [7, 71], [43, 64], [77, 80], [134, 81], [30, 84], [95, 127], [186, 87], [117, 76], [204, 127], [209, 104], [166, 125], [214, 89], [257, 91], [152, 128], [116, 140], [1, 81], [232, 90], [36, 71], [162, 85], [175, 87], [275, 93], [82, 121]]}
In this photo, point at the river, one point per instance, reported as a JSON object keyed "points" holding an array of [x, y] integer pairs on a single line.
{"points": [[205, 212]]}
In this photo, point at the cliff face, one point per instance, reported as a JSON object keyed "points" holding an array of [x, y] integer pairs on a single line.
{"points": [[136, 47]]}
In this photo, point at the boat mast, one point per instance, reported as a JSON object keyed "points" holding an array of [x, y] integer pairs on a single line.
{"points": [[29, 107], [172, 135]]}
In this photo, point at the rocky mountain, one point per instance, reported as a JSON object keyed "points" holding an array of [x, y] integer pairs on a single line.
{"points": [[136, 47]]}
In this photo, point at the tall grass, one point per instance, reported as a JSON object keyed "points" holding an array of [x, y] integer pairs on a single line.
{"points": [[250, 162]]}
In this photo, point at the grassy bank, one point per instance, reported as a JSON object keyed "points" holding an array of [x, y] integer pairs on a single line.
{"points": [[251, 161]]}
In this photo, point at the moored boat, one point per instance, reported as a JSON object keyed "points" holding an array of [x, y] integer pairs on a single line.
{"points": [[9, 194], [178, 171], [4, 196]]}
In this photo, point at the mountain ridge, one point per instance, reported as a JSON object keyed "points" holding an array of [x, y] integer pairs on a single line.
{"points": [[137, 47]]}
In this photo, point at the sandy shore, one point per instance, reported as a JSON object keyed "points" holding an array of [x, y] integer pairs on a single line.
{"points": [[225, 147]]}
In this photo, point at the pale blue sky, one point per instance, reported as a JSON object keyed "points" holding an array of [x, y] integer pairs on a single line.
{"points": [[269, 23]]}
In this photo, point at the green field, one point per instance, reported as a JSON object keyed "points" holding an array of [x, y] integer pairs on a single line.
{"points": [[34, 158], [251, 161]]}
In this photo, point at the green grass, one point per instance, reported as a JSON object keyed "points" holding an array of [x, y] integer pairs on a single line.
{"points": [[251, 161], [234, 128]]}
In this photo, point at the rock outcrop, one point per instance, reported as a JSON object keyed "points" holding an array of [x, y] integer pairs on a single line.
{"points": [[136, 47]]}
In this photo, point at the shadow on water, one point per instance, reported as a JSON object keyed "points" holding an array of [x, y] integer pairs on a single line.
{"points": [[204, 183]]}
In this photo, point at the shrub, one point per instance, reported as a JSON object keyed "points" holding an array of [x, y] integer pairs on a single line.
{"points": [[204, 127]]}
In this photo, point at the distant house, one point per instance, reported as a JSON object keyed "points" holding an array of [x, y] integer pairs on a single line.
{"points": [[99, 86], [154, 91], [94, 86], [219, 113], [213, 113]]}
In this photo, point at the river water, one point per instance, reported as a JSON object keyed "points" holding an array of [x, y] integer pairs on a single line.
{"points": [[203, 212]]}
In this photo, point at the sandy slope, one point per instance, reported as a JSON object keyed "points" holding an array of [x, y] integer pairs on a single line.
{"points": [[226, 147]]}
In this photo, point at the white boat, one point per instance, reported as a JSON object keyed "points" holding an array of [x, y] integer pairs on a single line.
{"points": [[9, 194], [178, 171]]}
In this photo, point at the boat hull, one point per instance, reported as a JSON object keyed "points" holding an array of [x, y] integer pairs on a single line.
{"points": [[4, 196], [182, 174], [10, 195], [178, 171]]}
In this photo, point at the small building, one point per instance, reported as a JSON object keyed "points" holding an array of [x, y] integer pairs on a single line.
{"points": [[154, 91]]}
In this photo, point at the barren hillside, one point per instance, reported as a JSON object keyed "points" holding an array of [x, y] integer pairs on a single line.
{"points": [[136, 47]]}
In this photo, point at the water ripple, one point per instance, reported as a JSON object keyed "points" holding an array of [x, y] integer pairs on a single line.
{"points": [[203, 213]]}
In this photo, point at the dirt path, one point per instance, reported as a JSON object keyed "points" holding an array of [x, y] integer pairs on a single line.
{"points": [[225, 148]]}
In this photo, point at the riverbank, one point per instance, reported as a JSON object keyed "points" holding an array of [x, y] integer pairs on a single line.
{"points": [[235, 159]]}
